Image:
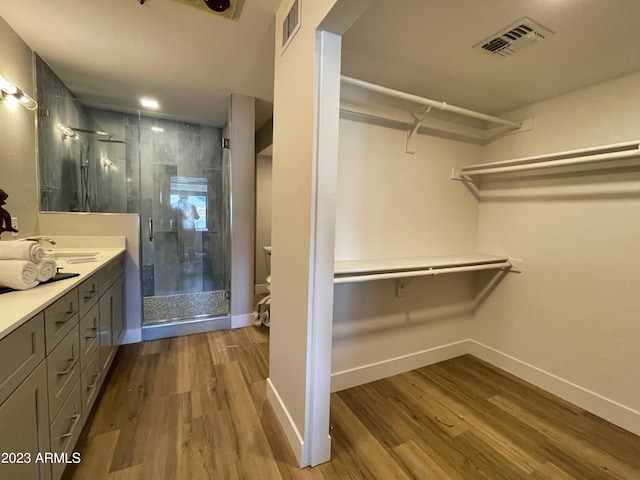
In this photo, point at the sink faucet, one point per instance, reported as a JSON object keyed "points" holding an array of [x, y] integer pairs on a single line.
{"points": [[40, 240]]}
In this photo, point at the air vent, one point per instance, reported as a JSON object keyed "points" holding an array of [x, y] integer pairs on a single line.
{"points": [[517, 36], [291, 24]]}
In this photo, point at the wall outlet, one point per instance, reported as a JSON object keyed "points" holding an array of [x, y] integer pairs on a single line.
{"points": [[14, 223]]}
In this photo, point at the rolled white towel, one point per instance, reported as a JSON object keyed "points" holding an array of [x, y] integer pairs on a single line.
{"points": [[18, 274], [47, 268], [21, 250]]}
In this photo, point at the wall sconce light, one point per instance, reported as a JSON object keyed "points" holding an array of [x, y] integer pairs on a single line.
{"points": [[13, 95]]}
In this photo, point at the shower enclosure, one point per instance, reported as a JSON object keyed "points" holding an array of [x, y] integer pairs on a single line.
{"points": [[185, 222], [172, 173]]}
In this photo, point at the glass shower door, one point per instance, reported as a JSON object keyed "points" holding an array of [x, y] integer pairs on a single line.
{"points": [[185, 224]]}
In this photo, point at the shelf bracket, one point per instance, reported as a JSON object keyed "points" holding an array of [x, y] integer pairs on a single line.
{"points": [[401, 285], [412, 133]]}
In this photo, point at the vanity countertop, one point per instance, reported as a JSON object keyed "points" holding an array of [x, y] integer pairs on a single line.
{"points": [[18, 307]]}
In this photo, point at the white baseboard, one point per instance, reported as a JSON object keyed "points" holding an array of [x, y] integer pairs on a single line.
{"points": [[244, 320], [376, 371], [289, 427], [603, 407]]}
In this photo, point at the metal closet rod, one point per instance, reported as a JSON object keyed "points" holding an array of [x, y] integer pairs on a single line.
{"points": [[430, 271], [428, 102], [576, 157]]}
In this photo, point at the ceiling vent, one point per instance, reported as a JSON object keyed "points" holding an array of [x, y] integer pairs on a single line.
{"points": [[229, 12], [517, 36]]}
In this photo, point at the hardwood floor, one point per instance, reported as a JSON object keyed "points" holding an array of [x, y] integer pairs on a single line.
{"points": [[195, 408]]}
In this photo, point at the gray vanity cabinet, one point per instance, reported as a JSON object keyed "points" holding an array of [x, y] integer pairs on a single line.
{"points": [[51, 370], [112, 320], [24, 405]]}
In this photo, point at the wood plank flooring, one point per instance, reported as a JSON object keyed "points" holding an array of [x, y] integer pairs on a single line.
{"points": [[195, 408]]}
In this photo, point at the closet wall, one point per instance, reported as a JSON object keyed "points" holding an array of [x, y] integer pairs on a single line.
{"points": [[393, 204], [570, 322]]}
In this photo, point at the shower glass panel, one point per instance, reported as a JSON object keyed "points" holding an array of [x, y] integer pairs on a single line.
{"points": [[185, 216]]}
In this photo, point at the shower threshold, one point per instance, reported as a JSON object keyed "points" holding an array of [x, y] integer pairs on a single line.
{"points": [[179, 327]]}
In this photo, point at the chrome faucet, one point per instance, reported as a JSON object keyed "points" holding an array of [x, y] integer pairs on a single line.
{"points": [[40, 240]]}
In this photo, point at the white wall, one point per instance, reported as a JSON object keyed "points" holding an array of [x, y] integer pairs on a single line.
{"points": [[292, 182], [570, 322], [18, 175], [241, 132], [392, 204], [306, 104]]}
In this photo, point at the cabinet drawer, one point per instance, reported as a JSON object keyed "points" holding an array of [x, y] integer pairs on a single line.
{"points": [[20, 352], [63, 371], [110, 273], [89, 340], [66, 429], [90, 382], [88, 294], [60, 318]]}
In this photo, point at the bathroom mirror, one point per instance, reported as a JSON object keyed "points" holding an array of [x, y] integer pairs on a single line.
{"points": [[98, 159]]}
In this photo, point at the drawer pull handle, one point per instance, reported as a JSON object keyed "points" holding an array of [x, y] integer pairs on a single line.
{"points": [[91, 335], [70, 315], [90, 295], [76, 419], [94, 384], [72, 362]]}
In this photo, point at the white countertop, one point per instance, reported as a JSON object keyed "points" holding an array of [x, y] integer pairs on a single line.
{"points": [[18, 307]]}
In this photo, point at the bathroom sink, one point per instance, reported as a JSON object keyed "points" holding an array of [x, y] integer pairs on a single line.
{"points": [[73, 256], [82, 259], [70, 253]]}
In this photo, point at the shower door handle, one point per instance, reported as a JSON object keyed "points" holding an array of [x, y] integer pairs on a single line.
{"points": [[151, 229]]}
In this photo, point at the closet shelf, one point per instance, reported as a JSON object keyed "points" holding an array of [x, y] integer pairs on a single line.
{"points": [[598, 157], [353, 271], [415, 114]]}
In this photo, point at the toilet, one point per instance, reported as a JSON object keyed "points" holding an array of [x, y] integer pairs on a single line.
{"points": [[263, 309]]}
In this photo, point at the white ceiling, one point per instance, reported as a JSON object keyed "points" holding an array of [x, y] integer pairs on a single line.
{"points": [[111, 52], [424, 47]]}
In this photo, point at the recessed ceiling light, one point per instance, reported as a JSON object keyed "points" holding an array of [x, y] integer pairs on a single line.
{"points": [[149, 103]]}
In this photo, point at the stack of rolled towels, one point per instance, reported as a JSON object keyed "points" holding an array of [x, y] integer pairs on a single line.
{"points": [[23, 265]]}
